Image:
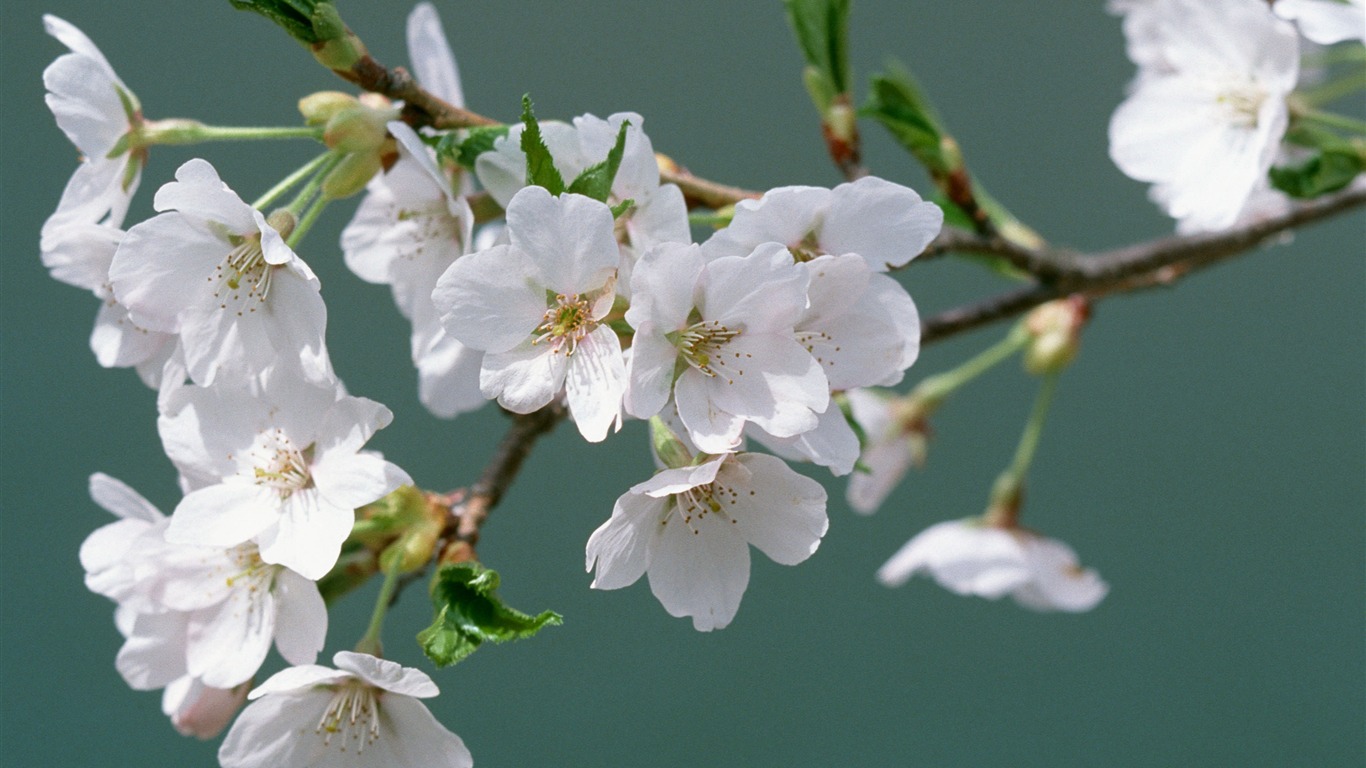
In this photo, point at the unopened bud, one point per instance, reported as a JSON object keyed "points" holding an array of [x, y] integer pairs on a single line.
{"points": [[318, 108], [1055, 334], [351, 175], [666, 164], [840, 120], [282, 220], [337, 47], [670, 450], [358, 128]]}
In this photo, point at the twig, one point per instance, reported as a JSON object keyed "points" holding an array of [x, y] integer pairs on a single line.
{"points": [[708, 194], [1139, 266]]}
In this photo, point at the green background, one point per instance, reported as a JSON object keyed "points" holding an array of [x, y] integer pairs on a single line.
{"points": [[1205, 453]]}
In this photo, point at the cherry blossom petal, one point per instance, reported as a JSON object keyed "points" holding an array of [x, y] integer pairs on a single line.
{"points": [[223, 515], [885, 223], [620, 547], [700, 569], [595, 380], [568, 238], [308, 535], [433, 63], [523, 379], [490, 300], [118, 498], [776, 509], [301, 618], [228, 643]]}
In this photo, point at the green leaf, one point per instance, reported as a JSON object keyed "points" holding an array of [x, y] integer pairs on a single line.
{"points": [[896, 101], [468, 614], [296, 16], [622, 207], [822, 30], [540, 166], [596, 180], [475, 142], [1327, 171]]}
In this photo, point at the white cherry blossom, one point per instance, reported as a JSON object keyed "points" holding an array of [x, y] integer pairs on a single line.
{"points": [[1205, 124], [891, 448], [282, 468], [96, 111], [726, 328], [212, 270], [863, 329], [970, 557], [691, 528], [885, 223], [1326, 21], [408, 230], [198, 710], [535, 307], [364, 713]]}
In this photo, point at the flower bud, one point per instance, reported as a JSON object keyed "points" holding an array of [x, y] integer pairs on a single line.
{"points": [[351, 175], [1055, 334], [318, 108], [359, 128]]}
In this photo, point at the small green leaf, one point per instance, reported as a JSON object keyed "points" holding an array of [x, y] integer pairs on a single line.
{"points": [[1327, 171], [540, 166], [896, 101], [466, 147], [822, 30], [596, 180], [295, 16], [468, 614], [622, 207]]}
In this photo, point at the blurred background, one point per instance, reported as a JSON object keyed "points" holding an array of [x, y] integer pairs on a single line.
{"points": [[1205, 453]]}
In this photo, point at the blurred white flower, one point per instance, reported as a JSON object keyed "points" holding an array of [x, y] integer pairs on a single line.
{"points": [[970, 557], [1207, 113], [1326, 21]]}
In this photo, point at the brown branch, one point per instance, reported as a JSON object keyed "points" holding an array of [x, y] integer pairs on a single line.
{"points": [[707, 194], [1135, 267], [469, 515], [420, 106]]}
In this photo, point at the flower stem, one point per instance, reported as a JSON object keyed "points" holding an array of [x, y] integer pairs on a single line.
{"points": [[306, 221], [370, 643], [288, 182], [936, 388], [1029, 440], [177, 131]]}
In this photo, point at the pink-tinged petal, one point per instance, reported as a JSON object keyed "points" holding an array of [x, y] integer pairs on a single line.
{"points": [[784, 215], [349, 424], [417, 739], [662, 284], [223, 515], [119, 343], [831, 443], [491, 300], [228, 643], [351, 481], [764, 292], [448, 378], [885, 223], [775, 509], [79, 253], [650, 375], [300, 619], [300, 678], [280, 731], [119, 499], [661, 216], [523, 379], [433, 63], [1059, 583], [620, 547], [201, 195], [770, 380], [897, 306], [700, 568], [154, 653], [85, 101], [669, 482], [595, 380], [886, 463], [94, 195], [198, 710], [710, 428], [160, 269], [72, 37], [309, 535], [569, 238], [387, 675]]}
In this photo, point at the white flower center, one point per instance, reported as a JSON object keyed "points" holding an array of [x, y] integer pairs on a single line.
{"points": [[352, 715], [252, 572], [701, 346], [696, 503], [277, 463], [565, 323], [1241, 102], [243, 278]]}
